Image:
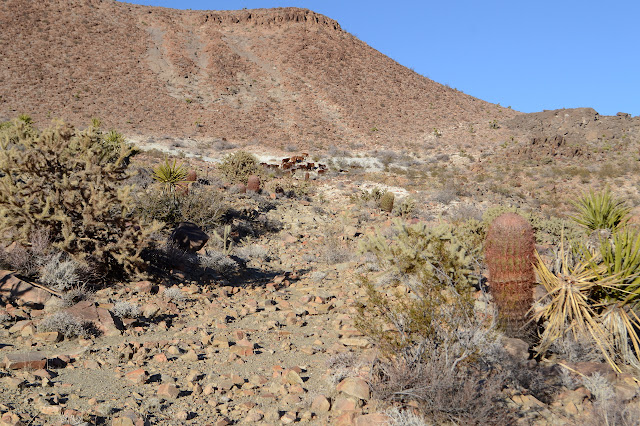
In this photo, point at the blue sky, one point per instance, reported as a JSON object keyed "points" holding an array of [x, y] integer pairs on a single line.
{"points": [[530, 55]]}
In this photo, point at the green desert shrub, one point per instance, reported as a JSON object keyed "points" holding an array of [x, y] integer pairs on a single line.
{"points": [[70, 183], [430, 336], [237, 167]]}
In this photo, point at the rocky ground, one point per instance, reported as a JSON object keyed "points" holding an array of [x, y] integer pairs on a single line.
{"points": [[273, 345]]}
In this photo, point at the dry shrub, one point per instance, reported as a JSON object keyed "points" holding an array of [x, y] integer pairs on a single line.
{"points": [[27, 259], [445, 390], [202, 205], [68, 325]]}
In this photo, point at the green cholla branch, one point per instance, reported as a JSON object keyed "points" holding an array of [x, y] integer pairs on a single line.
{"points": [[438, 271], [237, 167], [69, 182]]}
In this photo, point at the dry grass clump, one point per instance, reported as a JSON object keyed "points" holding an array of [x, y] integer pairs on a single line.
{"points": [[218, 262], [74, 295], [201, 205], [60, 272], [174, 293], [27, 259], [124, 309], [253, 252], [67, 325]]}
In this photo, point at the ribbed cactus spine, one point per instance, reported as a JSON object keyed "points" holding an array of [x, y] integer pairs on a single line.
{"points": [[510, 253]]}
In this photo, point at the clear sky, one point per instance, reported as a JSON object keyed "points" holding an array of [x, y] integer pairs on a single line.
{"points": [[527, 54]]}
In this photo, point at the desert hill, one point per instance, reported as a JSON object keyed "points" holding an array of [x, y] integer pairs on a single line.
{"points": [[276, 76]]}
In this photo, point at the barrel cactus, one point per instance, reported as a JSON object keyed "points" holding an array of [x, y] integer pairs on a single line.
{"points": [[386, 202], [510, 256]]}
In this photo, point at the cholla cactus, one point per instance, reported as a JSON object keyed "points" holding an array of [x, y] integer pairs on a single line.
{"points": [[510, 256], [69, 183]]}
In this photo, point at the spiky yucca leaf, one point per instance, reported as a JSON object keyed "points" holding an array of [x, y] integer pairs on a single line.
{"points": [[170, 175], [568, 308], [600, 210], [621, 257]]}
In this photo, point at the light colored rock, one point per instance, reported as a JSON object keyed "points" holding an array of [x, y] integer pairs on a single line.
{"points": [[355, 386], [320, 404], [372, 419], [518, 349], [168, 390], [358, 342], [289, 417]]}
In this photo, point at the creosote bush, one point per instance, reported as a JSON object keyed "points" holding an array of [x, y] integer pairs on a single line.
{"points": [[69, 182]]}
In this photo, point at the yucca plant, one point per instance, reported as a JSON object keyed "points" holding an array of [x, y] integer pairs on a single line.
{"points": [[600, 210], [620, 256], [170, 175], [591, 301]]}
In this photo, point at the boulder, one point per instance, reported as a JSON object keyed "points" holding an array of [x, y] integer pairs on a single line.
{"points": [[253, 184], [189, 237], [100, 317], [12, 287]]}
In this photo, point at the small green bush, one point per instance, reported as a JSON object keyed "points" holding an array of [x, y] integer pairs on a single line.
{"points": [[69, 183], [237, 167]]}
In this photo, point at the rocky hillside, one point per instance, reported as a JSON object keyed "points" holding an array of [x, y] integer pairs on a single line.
{"points": [[276, 76]]}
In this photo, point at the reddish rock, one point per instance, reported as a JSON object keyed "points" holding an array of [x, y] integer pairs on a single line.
{"points": [[12, 287], [345, 419], [320, 404], [168, 390], [100, 317], [192, 176], [344, 404], [138, 376], [31, 360]]}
